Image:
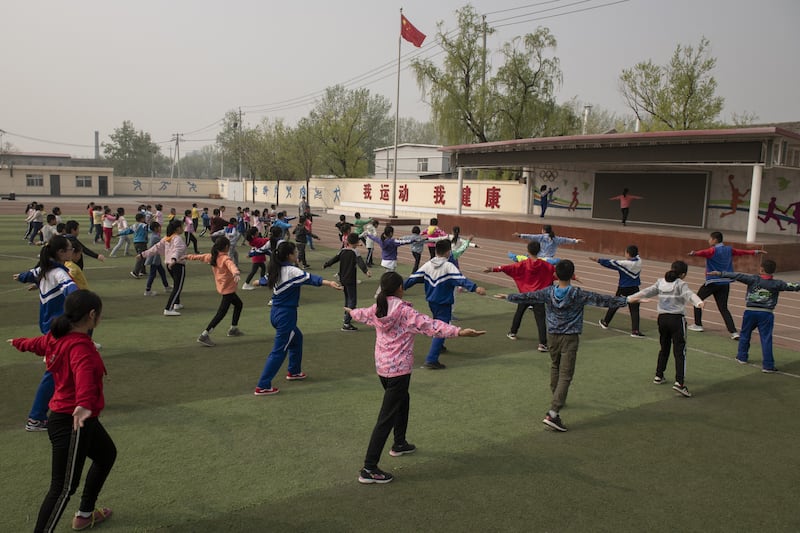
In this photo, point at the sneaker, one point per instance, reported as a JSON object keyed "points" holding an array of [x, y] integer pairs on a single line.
{"points": [[349, 327], [554, 423], [247, 287], [512, 336], [659, 380], [168, 288], [266, 392], [150, 293], [98, 346], [682, 389], [171, 312], [740, 361], [434, 366], [205, 340], [296, 377], [402, 449], [35, 425], [376, 475], [603, 324], [735, 336], [80, 523], [177, 307], [234, 332], [543, 348], [269, 303], [134, 275], [772, 370], [637, 334], [695, 327]]}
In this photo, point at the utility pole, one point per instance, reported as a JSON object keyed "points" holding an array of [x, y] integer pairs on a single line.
{"points": [[483, 82], [240, 144]]}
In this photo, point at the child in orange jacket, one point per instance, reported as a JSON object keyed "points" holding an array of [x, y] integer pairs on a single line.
{"points": [[226, 278]]}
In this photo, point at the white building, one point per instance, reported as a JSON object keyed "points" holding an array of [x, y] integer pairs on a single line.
{"points": [[413, 161]]}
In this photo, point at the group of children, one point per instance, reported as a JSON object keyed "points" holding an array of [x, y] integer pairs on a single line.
{"points": [[73, 381]]}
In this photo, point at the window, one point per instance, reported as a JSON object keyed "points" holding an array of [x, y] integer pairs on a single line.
{"points": [[83, 181], [422, 164], [34, 180]]}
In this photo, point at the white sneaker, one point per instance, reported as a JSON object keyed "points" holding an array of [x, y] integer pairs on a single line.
{"points": [[177, 306], [735, 336], [695, 327], [170, 312], [247, 287], [150, 293], [269, 303]]}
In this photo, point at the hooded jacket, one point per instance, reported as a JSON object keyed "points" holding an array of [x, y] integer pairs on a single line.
{"points": [[672, 296], [224, 271], [441, 277], [394, 334], [565, 306], [77, 370]]}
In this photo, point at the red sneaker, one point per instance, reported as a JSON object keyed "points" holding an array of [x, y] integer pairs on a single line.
{"points": [[296, 377], [79, 523], [265, 392]]}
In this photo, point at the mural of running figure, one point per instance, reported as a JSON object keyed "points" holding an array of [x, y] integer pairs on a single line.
{"points": [[770, 214], [796, 215], [736, 198]]}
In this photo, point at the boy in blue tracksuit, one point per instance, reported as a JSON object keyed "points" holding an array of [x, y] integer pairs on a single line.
{"points": [[629, 270], [760, 302], [564, 305], [441, 277]]}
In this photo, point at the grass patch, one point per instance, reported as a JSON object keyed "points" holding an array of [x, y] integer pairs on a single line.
{"points": [[198, 452]]}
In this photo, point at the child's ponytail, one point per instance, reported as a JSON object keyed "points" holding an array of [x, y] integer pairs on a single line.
{"points": [[220, 245], [390, 283], [677, 269], [76, 307]]}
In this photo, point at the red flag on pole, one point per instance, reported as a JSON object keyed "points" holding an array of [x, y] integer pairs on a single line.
{"points": [[410, 33]]}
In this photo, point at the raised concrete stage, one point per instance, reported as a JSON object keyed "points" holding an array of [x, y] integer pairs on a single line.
{"points": [[609, 239]]}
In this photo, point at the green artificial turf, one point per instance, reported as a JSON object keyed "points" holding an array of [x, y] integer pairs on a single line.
{"points": [[198, 452]]}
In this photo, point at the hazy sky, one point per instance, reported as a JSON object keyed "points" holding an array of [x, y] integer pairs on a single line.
{"points": [[70, 68]]}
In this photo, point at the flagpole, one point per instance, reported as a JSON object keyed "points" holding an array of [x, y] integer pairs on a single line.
{"points": [[397, 119]]}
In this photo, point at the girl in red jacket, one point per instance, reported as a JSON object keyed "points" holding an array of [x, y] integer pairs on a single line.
{"points": [[74, 428], [226, 278]]}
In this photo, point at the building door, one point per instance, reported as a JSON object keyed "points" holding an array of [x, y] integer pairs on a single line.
{"points": [[55, 185], [102, 185]]}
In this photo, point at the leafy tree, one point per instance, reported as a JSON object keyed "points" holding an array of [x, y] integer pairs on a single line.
{"points": [[416, 132], [677, 96], [201, 164], [133, 153], [470, 104], [525, 87], [457, 96], [349, 125], [302, 150]]}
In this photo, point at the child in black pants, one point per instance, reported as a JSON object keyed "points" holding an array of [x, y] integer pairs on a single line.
{"points": [[673, 295], [348, 260]]}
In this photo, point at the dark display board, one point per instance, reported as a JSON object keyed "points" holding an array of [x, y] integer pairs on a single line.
{"points": [[676, 198]]}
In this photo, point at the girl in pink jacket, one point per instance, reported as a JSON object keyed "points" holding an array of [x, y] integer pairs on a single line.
{"points": [[173, 248], [396, 323], [226, 277]]}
